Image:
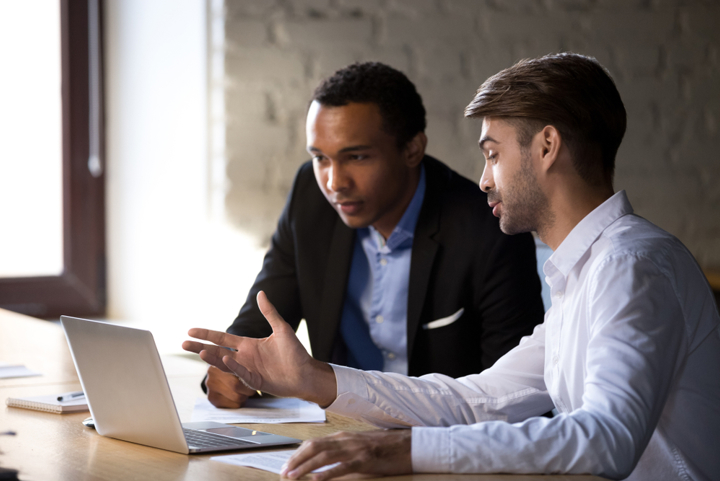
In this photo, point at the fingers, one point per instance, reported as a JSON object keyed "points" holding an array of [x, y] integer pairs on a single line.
{"points": [[194, 346], [312, 455], [216, 337], [225, 339], [251, 381], [374, 452], [198, 347], [208, 353], [336, 449], [276, 321]]}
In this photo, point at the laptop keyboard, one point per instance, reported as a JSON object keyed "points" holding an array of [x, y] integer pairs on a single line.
{"points": [[203, 439]]}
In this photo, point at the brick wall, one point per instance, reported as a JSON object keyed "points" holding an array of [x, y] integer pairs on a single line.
{"points": [[663, 54]]}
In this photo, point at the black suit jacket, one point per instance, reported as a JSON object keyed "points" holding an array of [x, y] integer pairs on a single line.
{"points": [[460, 260]]}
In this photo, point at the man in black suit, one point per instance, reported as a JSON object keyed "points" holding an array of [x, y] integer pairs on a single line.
{"points": [[394, 260]]}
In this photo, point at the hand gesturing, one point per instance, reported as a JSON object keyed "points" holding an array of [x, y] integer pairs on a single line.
{"points": [[278, 364]]}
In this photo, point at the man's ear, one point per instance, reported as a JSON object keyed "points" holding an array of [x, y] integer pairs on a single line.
{"points": [[414, 150], [550, 142]]}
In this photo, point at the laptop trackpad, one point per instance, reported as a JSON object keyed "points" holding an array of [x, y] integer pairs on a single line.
{"points": [[224, 429], [235, 432]]}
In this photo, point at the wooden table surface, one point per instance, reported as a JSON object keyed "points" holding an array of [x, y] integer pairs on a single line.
{"points": [[57, 447]]}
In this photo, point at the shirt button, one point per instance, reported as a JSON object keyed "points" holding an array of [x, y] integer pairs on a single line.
{"points": [[383, 262], [379, 319], [555, 360], [559, 294], [391, 355]]}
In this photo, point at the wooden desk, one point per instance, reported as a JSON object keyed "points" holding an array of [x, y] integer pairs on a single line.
{"points": [[52, 447]]}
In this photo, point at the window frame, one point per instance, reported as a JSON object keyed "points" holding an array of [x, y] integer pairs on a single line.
{"points": [[81, 288]]}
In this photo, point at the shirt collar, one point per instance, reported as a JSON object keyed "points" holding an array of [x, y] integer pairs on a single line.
{"points": [[584, 234], [405, 229]]}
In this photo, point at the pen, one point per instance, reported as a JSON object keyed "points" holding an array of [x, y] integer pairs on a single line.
{"points": [[71, 396], [235, 350]]}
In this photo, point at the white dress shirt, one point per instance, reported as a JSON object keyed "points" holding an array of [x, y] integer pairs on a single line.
{"points": [[629, 354]]}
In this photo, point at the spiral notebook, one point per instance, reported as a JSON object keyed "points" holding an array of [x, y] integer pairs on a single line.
{"points": [[48, 404]]}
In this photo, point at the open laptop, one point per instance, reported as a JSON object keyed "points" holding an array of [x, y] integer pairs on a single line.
{"points": [[129, 397]]}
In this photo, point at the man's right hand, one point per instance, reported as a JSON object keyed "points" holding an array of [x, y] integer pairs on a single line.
{"points": [[225, 390], [278, 364]]}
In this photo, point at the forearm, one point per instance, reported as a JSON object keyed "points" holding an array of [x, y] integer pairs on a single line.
{"points": [[580, 443], [512, 390]]}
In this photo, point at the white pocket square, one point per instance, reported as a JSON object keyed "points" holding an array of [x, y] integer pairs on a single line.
{"points": [[444, 321]]}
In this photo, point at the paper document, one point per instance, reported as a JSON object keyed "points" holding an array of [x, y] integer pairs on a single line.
{"points": [[272, 462], [268, 410], [15, 370]]}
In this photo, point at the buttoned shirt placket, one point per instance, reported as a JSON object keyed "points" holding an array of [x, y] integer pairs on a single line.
{"points": [[553, 333]]}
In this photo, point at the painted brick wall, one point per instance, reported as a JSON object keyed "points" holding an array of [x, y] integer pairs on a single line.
{"points": [[663, 54]]}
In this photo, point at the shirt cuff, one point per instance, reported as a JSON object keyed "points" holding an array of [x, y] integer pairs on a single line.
{"points": [[430, 450], [351, 387]]}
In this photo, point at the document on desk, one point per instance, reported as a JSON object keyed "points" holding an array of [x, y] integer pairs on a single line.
{"points": [[272, 462], [15, 370], [261, 410]]}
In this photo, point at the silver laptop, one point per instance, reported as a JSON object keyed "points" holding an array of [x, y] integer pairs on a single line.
{"points": [[129, 397]]}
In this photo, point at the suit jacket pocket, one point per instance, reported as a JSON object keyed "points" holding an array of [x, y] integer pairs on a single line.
{"points": [[444, 321]]}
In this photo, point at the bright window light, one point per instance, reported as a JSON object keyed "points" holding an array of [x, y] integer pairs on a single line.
{"points": [[30, 139]]}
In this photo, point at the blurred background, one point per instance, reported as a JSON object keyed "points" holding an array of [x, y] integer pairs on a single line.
{"points": [[205, 103]]}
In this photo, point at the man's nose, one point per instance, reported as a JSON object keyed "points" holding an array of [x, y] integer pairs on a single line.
{"points": [[486, 182], [337, 180]]}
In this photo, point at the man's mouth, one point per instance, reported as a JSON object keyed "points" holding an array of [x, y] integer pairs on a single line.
{"points": [[349, 207], [495, 206]]}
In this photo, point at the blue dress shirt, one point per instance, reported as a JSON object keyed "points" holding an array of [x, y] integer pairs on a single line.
{"points": [[374, 318]]}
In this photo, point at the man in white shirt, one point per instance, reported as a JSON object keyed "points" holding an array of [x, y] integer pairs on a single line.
{"points": [[629, 351]]}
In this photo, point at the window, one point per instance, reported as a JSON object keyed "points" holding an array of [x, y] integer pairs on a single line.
{"points": [[77, 287]]}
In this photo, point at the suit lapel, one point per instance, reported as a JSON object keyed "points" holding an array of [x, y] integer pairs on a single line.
{"points": [[424, 247], [334, 287]]}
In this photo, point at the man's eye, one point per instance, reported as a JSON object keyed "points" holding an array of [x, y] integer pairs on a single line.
{"points": [[493, 158], [318, 158], [357, 157]]}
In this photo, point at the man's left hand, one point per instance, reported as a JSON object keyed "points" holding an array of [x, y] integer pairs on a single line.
{"points": [[372, 452]]}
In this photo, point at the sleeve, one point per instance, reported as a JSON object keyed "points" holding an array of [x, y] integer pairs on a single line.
{"points": [[635, 346], [511, 390], [278, 278], [508, 295]]}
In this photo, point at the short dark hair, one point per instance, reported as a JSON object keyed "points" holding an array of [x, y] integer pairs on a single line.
{"points": [[400, 105], [572, 92]]}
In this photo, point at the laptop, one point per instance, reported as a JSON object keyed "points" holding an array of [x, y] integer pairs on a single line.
{"points": [[129, 398]]}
